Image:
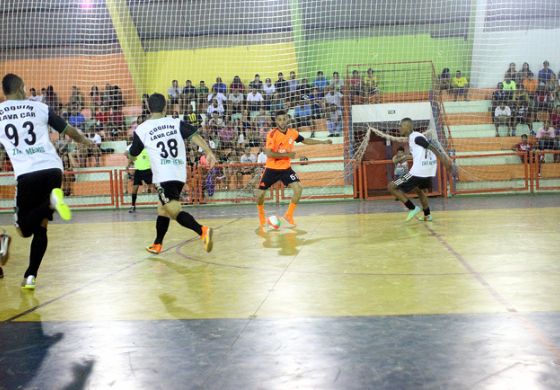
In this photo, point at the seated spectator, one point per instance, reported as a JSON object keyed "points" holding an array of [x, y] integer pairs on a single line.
{"points": [[555, 120], [219, 86], [107, 96], [268, 90], [459, 86], [317, 102], [174, 93], [237, 85], [293, 86], [523, 74], [510, 87], [546, 140], [246, 158], [320, 82], [444, 80], [76, 118], [334, 121], [521, 96], [281, 85], [254, 101], [118, 100], [544, 100], [192, 117], [304, 89], [303, 114], [511, 72], [226, 134], [502, 117], [522, 116], [139, 120], [219, 96], [256, 84], [188, 95], [103, 115], [261, 157], [94, 98], [355, 84], [369, 85], [51, 99], [333, 97], [34, 97], [235, 102], [215, 107], [545, 73], [202, 96], [523, 147], [277, 103], [530, 84], [400, 160], [336, 82], [76, 98]]}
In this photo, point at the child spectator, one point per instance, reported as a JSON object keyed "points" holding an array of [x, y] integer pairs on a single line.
{"points": [[400, 162], [523, 147], [459, 86]]}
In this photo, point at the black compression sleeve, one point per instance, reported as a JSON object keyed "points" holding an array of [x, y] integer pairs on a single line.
{"points": [[56, 122], [299, 138], [137, 146], [187, 130], [423, 142]]}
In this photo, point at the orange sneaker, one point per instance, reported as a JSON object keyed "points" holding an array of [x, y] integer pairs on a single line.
{"points": [[206, 238], [154, 248], [288, 222]]}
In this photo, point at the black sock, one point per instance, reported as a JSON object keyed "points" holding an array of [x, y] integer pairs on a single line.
{"points": [[38, 247], [162, 224], [134, 196], [426, 211], [188, 221], [409, 205]]}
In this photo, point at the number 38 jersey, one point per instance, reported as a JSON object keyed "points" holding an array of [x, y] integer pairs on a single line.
{"points": [[163, 138], [24, 133]]}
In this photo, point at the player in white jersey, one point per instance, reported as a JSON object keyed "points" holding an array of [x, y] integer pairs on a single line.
{"points": [[24, 133], [164, 139], [424, 168]]}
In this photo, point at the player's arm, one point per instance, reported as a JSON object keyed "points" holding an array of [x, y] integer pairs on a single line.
{"points": [[272, 154], [136, 147], [189, 132], [440, 154], [314, 141], [60, 125]]}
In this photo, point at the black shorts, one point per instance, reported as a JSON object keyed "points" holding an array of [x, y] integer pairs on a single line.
{"points": [[271, 176], [169, 190], [142, 176], [407, 182], [32, 191]]}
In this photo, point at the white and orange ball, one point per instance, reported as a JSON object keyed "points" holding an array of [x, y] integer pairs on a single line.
{"points": [[274, 222]]}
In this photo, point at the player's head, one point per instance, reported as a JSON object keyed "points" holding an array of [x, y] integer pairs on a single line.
{"points": [[282, 119], [524, 138], [406, 126], [12, 85], [156, 103], [400, 150]]}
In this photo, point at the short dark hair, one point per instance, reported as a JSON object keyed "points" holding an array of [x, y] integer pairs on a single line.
{"points": [[400, 148], [407, 120], [280, 112], [523, 136], [156, 102], [11, 83]]}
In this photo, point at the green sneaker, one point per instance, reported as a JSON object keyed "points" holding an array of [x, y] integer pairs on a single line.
{"points": [[57, 202], [412, 213], [28, 283], [425, 218]]}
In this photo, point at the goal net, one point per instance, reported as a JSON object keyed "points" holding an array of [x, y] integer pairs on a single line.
{"points": [[94, 60]]}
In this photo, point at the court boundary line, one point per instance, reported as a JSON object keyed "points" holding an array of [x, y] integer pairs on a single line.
{"points": [[526, 323]]}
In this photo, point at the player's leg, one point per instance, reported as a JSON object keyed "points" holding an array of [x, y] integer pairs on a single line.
{"points": [[37, 251], [291, 179], [425, 205], [268, 178], [134, 195], [401, 186], [162, 225]]}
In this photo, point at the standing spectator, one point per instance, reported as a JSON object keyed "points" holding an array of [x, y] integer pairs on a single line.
{"points": [[459, 86], [94, 98], [237, 85], [281, 85], [188, 96], [219, 86], [76, 98], [320, 82], [256, 84], [34, 97], [545, 73], [355, 84], [174, 93], [254, 101], [502, 116], [444, 80], [336, 82]]}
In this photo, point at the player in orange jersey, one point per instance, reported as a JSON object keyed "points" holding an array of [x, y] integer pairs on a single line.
{"points": [[279, 149]]}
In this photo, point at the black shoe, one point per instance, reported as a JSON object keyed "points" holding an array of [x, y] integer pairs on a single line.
{"points": [[1, 273], [132, 209], [312, 135], [337, 135], [331, 135]]}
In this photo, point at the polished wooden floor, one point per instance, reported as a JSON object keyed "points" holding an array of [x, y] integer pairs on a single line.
{"points": [[302, 308]]}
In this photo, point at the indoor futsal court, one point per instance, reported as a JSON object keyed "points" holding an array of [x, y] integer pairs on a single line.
{"points": [[353, 298]]}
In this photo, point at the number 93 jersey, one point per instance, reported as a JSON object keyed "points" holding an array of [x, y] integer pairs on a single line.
{"points": [[24, 133], [163, 138]]}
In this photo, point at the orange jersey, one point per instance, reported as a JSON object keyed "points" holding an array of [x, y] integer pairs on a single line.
{"points": [[280, 142]]}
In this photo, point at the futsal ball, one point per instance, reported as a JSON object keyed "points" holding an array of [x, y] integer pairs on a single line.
{"points": [[274, 222]]}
